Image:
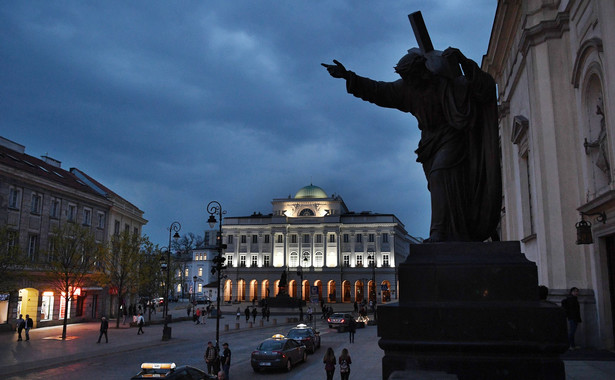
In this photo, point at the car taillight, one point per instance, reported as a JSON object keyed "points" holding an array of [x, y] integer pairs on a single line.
{"points": [[279, 353], [328, 319], [342, 321], [254, 353], [308, 338]]}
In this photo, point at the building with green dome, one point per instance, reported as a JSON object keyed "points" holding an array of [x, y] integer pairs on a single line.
{"points": [[330, 253]]}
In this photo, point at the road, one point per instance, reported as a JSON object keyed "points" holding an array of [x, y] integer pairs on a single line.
{"points": [[188, 349]]}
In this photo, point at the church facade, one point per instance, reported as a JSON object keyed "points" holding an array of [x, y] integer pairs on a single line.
{"points": [[328, 253], [554, 64]]}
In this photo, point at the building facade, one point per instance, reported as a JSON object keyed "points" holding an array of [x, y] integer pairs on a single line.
{"points": [[327, 252], [554, 64], [36, 196]]}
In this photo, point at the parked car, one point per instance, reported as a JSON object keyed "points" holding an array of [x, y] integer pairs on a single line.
{"points": [[278, 352], [339, 321], [171, 372], [308, 336], [203, 300]]}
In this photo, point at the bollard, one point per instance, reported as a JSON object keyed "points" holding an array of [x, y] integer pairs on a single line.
{"points": [[226, 327], [262, 323], [236, 326], [250, 324], [275, 321]]}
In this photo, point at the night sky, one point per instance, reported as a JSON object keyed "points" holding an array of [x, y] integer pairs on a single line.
{"points": [[172, 104]]}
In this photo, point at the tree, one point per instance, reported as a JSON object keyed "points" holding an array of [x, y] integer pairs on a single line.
{"points": [[150, 277], [12, 260], [120, 264], [71, 261]]}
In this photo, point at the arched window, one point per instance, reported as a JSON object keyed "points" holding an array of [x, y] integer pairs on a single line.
{"points": [[294, 259], [319, 260]]}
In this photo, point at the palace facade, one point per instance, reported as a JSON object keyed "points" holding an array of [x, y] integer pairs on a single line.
{"points": [[327, 252]]}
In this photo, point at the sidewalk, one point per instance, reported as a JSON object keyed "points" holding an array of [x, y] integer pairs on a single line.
{"points": [[32, 355]]}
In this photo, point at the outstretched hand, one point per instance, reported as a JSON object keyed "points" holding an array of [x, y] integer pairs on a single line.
{"points": [[336, 71]]}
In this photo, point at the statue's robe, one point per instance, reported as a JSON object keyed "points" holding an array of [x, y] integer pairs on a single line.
{"points": [[459, 147]]}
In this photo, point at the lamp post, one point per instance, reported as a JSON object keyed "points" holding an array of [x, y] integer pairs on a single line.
{"points": [[371, 256], [194, 289], [214, 208], [174, 227]]}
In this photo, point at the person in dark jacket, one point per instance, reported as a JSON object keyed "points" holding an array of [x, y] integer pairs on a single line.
{"points": [[573, 314], [352, 328], [29, 325], [104, 326], [21, 324]]}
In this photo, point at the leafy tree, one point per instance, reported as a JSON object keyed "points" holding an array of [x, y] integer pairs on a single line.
{"points": [[12, 260], [120, 265], [150, 276], [71, 261]]}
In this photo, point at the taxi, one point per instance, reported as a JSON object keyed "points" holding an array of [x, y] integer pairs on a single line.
{"points": [[306, 335], [170, 371], [278, 352]]}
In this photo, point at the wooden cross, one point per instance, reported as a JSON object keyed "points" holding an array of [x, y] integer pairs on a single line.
{"points": [[435, 62]]}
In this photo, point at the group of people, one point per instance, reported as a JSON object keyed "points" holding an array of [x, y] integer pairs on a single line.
{"points": [[218, 362], [24, 324], [265, 312], [199, 315], [344, 362]]}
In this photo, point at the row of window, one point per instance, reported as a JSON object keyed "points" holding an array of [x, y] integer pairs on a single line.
{"points": [[306, 238], [55, 207], [318, 260]]}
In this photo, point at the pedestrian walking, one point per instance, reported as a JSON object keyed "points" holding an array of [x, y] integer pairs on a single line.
{"points": [[254, 314], [573, 314], [345, 362], [300, 314], [104, 326], [225, 360], [204, 315], [352, 328], [21, 324], [211, 358], [140, 323], [238, 314], [356, 307], [329, 361], [188, 309], [268, 313], [247, 313], [29, 325], [124, 313], [197, 316]]}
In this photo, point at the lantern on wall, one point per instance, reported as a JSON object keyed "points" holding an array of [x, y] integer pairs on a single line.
{"points": [[584, 228]]}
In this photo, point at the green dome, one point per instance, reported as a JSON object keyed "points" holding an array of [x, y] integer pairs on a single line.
{"points": [[311, 191]]}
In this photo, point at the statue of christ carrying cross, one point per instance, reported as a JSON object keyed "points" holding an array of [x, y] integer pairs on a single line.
{"points": [[455, 104]]}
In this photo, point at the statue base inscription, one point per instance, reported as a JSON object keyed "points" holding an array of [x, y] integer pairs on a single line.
{"points": [[472, 310]]}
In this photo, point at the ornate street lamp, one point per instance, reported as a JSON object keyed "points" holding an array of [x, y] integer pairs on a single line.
{"points": [[166, 331], [214, 208], [371, 257], [584, 228]]}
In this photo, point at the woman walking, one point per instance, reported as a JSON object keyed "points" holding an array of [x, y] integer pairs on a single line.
{"points": [[345, 362], [329, 361]]}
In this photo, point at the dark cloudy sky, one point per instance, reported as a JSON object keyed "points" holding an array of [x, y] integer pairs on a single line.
{"points": [[172, 104]]}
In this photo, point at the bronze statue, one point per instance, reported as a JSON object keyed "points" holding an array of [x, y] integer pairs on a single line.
{"points": [[459, 146]]}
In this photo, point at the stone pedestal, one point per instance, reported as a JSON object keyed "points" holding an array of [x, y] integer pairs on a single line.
{"points": [[472, 309]]}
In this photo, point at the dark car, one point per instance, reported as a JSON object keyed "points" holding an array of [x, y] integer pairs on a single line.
{"points": [[308, 336], [170, 371], [203, 300], [278, 352], [339, 321]]}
